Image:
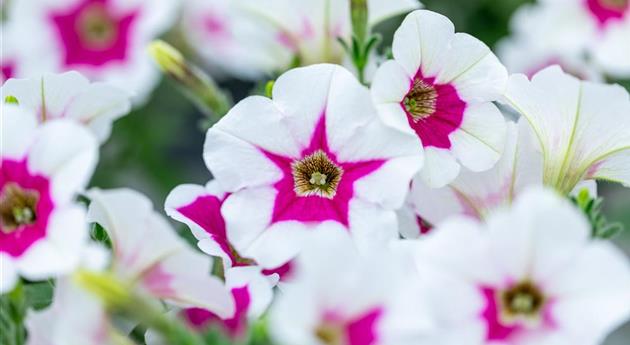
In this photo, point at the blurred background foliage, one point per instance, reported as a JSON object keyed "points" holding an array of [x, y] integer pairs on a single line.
{"points": [[160, 144]]}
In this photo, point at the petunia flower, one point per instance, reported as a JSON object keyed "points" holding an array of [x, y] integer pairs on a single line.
{"points": [[42, 230], [251, 39], [148, 252], [597, 28], [103, 39], [199, 207], [316, 156], [70, 95], [440, 87], [339, 297], [531, 275], [583, 128]]}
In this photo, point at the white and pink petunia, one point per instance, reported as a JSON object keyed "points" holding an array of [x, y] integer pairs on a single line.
{"points": [[251, 39], [42, 230], [597, 28], [103, 39], [70, 96], [582, 128], [199, 207], [148, 252], [530, 275], [316, 156], [440, 87], [340, 297]]}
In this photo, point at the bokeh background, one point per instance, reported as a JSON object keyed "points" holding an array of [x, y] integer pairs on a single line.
{"points": [[160, 144]]}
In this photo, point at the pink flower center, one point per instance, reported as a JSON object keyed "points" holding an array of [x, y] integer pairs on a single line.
{"points": [[93, 33], [515, 309], [25, 206], [608, 10], [434, 111], [358, 331], [317, 187]]}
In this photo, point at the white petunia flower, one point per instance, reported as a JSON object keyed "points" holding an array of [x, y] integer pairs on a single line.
{"points": [[583, 128], [147, 251], [599, 28], [103, 39], [70, 95], [531, 276], [199, 207], [316, 156], [440, 87], [339, 297], [42, 231], [251, 39]]}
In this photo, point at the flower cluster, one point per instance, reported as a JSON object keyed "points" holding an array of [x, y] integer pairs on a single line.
{"points": [[405, 211]]}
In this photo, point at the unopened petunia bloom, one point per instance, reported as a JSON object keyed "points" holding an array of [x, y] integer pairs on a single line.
{"points": [[596, 28], [199, 207], [340, 297], [103, 39], [42, 230], [532, 275], [251, 39], [583, 128], [315, 156], [70, 96], [440, 87]]}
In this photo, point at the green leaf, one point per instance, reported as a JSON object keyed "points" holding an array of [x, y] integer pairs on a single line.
{"points": [[12, 313], [592, 208]]}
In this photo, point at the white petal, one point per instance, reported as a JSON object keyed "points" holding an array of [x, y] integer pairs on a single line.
{"points": [[475, 71], [435, 205], [279, 243], [420, 41], [8, 274], [612, 51], [258, 287], [129, 219], [593, 293], [379, 10], [18, 131], [191, 285], [440, 167], [69, 163], [391, 83], [478, 144], [615, 168], [186, 194], [371, 226]]}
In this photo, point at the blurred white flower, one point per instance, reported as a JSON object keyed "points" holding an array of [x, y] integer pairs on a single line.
{"points": [[583, 128], [43, 231], [199, 207], [316, 156], [70, 95], [598, 28], [531, 276], [148, 252], [103, 39], [440, 87], [340, 297], [251, 39]]}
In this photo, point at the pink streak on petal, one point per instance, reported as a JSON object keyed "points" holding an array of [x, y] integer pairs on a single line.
{"points": [[18, 241], [495, 329], [77, 52], [205, 211], [423, 227], [158, 281], [235, 326], [449, 113], [7, 69], [289, 206], [363, 330], [605, 14]]}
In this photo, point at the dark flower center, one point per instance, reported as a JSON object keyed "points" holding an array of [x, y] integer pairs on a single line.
{"points": [[317, 175], [96, 27], [329, 334], [17, 207], [614, 4], [523, 300], [421, 100]]}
